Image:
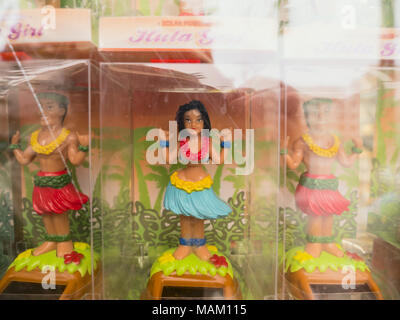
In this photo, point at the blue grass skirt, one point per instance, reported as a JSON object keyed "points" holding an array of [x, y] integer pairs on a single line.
{"points": [[202, 204]]}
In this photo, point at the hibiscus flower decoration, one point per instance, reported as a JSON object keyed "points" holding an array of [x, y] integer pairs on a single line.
{"points": [[74, 257], [353, 256], [219, 261]]}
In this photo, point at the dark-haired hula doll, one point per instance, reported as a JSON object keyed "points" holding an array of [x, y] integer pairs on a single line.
{"points": [[317, 193], [53, 194], [189, 192]]}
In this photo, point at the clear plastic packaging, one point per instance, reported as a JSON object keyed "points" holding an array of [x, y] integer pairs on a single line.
{"points": [[308, 95]]}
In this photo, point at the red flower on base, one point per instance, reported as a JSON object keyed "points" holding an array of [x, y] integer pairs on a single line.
{"points": [[74, 257], [354, 256], [219, 261]]}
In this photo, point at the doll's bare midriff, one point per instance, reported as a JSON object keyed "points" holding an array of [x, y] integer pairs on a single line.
{"points": [[54, 162], [316, 164], [192, 172]]}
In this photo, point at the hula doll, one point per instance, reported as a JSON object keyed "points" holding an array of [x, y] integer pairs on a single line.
{"points": [[317, 193], [53, 194], [189, 193]]}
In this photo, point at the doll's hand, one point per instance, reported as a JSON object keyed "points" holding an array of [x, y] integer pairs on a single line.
{"points": [[164, 135], [83, 139], [284, 147], [15, 138], [358, 144]]}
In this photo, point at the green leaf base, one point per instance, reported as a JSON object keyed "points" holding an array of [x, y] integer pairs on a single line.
{"points": [[30, 262], [296, 259], [192, 264]]}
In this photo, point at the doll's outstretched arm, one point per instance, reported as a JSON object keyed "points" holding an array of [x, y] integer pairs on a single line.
{"points": [[23, 157], [169, 150], [294, 158], [78, 146], [225, 140]]}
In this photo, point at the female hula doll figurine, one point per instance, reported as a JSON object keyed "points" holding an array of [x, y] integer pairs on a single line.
{"points": [[317, 193], [54, 194], [189, 192]]}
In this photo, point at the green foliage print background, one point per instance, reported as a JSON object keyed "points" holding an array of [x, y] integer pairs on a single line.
{"points": [[6, 234], [384, 213]]}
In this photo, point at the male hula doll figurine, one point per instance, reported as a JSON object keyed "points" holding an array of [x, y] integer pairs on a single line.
{"points": [[54, 194], [317, 193]]}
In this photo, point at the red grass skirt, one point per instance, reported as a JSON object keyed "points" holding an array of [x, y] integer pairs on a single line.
{"points": [[320, 202], [47, 200]]}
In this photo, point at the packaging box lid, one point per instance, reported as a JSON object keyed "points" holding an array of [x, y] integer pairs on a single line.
{"points": [[46, 25], [187, 33], [320, 41], [46, 33]]}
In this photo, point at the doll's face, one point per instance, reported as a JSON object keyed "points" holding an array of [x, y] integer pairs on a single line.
{"points": [[318, 116], [52, 112], [193, 120]]}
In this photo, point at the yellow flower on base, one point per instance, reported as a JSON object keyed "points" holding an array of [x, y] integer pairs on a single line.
{"points": [[166, 257], [302, 256], [81, 245], [212, 248], [24, 254]]}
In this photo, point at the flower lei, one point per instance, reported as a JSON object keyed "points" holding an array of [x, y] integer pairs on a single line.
{"points": [[50, 147], [190, 186], [328, 153], [205, 144]]}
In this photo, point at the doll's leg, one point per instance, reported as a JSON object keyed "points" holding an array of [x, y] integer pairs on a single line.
{"points": [[198, 233], [327, 225], [186, 234], [61, 224], [50, 229], [314, 230]]}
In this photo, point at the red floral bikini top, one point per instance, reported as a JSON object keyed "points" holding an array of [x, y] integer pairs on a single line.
{"points": [[198, 156]]}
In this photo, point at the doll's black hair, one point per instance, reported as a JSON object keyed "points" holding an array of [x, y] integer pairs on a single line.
{"points": [[194, 104], [62, 100]]}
